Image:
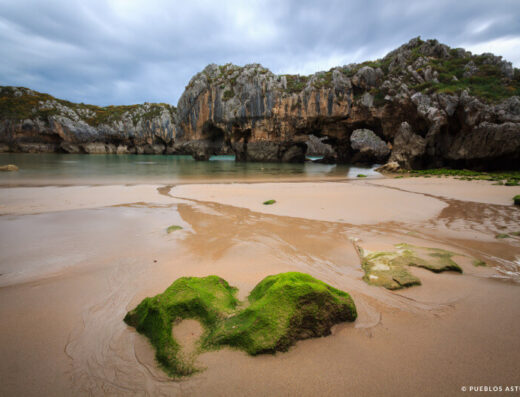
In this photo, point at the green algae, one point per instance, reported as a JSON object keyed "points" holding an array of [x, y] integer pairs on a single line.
{"points": [[390, 269], [269, 202], [280, 310], [479, 263], [207, 299], [173, 228]]}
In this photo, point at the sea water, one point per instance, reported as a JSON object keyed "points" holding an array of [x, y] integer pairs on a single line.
{"points": [[44, 168]]}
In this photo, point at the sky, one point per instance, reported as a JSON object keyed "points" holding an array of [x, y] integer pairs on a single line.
{"points": [[123, 52]]}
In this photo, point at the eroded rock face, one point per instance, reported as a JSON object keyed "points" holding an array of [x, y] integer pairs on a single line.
{"points": [[36, 122], [409, 148], [368, 147], [262, 116], [458, 110]]}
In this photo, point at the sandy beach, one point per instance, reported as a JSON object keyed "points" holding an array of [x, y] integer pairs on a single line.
{"points": [[75, 259]]}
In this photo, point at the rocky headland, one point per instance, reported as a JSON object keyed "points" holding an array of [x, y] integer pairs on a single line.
{"points": [[423, 105]]}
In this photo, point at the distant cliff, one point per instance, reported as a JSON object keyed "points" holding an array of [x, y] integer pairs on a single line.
{"points": [[35, 122], [422, 105]]}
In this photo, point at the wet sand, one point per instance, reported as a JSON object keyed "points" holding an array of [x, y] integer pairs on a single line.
{"points": [[74, 259]]}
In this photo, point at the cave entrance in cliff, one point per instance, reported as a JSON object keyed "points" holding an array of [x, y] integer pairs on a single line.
{"points": [[212, 133]]}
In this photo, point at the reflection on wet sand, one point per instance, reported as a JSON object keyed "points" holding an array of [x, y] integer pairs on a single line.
{"points": [[62, 329]]}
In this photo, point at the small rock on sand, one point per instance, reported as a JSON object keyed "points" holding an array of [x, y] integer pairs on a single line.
{"points": [[8, 167]]}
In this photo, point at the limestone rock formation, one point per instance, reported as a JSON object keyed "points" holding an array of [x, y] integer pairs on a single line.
{"points": [[34, 122], [429, 104], [453, 118], [368, 147]]}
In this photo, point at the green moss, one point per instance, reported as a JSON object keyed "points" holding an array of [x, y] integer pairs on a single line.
{"points": [[511, 178], [208, 299], [516, 199], [282, 309], [479, 263], [502, 235], [361, 176], [269, 202], [391, 269], [173, 228]]}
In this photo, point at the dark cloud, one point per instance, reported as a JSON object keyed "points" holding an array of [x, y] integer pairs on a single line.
{"points": [[132, 51]]}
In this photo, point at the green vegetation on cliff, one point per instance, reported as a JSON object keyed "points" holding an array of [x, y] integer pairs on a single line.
{"points": [[281, 309], [295, 83], [18, 103], [516, 199]]}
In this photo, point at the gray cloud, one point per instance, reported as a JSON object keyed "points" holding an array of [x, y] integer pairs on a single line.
{"points": [[132, 51]]}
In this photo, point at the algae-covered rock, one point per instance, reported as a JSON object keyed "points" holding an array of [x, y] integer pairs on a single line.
{"points": [[208, 299], [390, 269], [282, 309], [382, 269], [8, 167], [435, 259], [173, 228]]}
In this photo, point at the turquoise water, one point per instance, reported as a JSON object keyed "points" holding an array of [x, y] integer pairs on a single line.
{"points": [[78, 168]]}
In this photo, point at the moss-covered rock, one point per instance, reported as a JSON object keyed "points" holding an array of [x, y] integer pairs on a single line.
{"points": [[390, 269], [173, 228], [8, 167], [207, 299], [282, 309]]}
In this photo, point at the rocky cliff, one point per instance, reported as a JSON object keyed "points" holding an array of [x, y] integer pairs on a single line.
{"points": [[422, 105], [34, 122]]}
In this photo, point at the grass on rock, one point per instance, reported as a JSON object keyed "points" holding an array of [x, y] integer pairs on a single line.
{"points": [[173, 228], [361, 176], [516, 199], [282, 309], [269, 202]]}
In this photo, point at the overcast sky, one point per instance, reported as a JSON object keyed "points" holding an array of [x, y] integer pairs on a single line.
{"points": [[133, 51]]}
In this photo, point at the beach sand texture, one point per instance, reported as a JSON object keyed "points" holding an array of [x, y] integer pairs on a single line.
{"points": [[75, 259]]}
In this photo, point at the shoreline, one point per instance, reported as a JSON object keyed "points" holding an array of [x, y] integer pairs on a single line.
{"points": [[73, 269]]}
